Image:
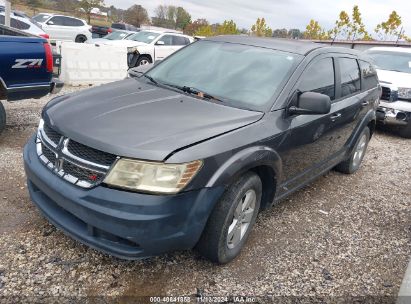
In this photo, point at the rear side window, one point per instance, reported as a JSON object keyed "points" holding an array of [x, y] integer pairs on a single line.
{"points": [[119, 26], [319, 78], [369, 78], [178, 40], [72, 22], [14, 23], [350, 76]]}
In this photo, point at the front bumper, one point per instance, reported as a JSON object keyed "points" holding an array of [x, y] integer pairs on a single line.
{"points": [[124, 224], [394, 113]]}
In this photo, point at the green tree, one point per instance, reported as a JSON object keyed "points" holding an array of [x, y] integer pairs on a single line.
{"points": [[136, 15], [280, 33], [390, 29], [182, 18], [315, 32], [229, 27], [193, 27], [205, 31], [357, 27], [261, 29], [342, 26], [88, 5]]}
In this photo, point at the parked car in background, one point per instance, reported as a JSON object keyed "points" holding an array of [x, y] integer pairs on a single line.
{"points": [[394, 72], [124, 26], [23, 24], [100, 31], [115, 35], [146, 47], [65, 28], [26, 68], [189, 153]]}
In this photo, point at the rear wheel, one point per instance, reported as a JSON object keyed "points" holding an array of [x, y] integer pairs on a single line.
{"points": [[352, 164], [2, 117], [81, 39], [405, 131], [232, 219]]}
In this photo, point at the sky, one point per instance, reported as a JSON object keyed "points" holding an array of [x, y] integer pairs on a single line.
{"points": [[282, 13]]}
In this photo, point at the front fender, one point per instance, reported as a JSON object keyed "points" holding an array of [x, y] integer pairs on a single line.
{"points": [[245, 160]]}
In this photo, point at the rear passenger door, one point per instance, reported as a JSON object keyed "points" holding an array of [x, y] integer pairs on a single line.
{"points": [[350, 106]]}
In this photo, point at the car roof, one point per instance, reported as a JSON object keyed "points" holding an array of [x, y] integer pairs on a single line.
{"points": [[163, 32], [301, 47], [391, 49]]}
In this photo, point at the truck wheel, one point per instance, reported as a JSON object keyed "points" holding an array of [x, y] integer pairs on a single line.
{"points": [[405, 131], [352, 164], [232, 219], [81, 39], [2, 117], [143, 60]]}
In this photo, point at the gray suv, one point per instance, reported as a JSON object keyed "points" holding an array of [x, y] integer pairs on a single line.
{"points": [[188, 153]]}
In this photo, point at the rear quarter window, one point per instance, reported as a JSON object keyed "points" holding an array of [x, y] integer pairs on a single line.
{"points": [[369, 78]]}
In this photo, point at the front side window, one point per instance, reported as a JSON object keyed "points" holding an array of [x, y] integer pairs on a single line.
{"points": [[391, 61], [167, 39], [240, 75], [144, 37], [350, 76], [57, 20], [319, 78]]}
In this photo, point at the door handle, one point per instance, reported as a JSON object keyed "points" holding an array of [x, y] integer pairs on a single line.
{"points": [[365, 103], [335, 116]]}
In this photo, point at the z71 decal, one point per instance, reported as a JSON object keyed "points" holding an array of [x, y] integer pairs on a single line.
{"points": [[28, 64]]}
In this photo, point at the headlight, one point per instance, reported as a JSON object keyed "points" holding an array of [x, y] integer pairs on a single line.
{"points": [[404, 93], [132, 50], [152, 177]]}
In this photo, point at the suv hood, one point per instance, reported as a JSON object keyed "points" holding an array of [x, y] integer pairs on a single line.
{"points": [[139, 120], [398, 79]]}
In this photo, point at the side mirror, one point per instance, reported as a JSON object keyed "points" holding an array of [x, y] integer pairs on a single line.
{"points": [[139, 70], [50, 22], [311, 103], [160, 42]]}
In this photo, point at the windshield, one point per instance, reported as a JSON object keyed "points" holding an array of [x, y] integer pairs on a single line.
{"points": [[41, 18], [143, 36], [391, 61], [240, 75], [116, 35]]}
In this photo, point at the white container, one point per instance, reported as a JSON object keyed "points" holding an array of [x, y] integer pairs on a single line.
{"points": [[89, 64]]}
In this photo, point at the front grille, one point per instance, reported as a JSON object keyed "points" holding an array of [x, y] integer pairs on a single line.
{"points": [[83, 174], [76, 163], [51, 134], [90, 154]]}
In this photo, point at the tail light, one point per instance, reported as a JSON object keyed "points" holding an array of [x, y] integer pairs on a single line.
{"points": [[49, 57], [46, 36], [109, 30]]}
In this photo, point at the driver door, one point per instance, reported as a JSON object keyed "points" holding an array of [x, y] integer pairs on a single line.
{"points": [[164, 47]]}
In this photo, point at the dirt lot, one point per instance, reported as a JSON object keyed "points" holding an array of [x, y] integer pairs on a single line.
{"points": [[341, 236]]}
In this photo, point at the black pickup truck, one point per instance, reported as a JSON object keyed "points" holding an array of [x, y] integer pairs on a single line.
{"points": [[26, 68]]}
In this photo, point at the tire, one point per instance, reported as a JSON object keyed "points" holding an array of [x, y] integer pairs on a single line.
{"points": [[143, 60], [2, 118], [215, 243], [405, 131], [81, 39], [353, 163]]}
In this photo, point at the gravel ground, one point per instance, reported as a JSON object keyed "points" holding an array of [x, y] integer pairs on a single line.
{"points": [[340, 236]]}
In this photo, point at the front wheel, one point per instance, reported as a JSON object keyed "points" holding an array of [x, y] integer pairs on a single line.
{"points": [[352, 164], [232, 219], [2, 117], [143, 60]]}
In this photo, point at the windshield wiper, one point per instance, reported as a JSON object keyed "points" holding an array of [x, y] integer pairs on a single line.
{"points": [[194, 91], [151, 79]]}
